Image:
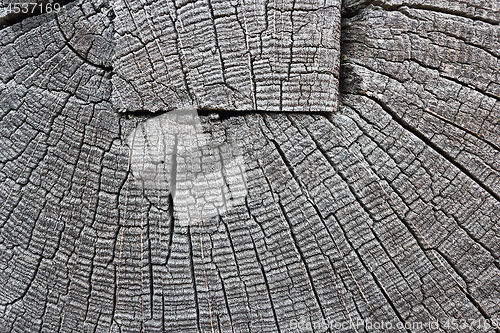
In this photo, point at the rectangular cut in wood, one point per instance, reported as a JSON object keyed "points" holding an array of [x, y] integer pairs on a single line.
{"points": [[234, 55]]}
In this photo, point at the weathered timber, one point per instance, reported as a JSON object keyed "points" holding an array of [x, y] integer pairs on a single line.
{"points": [[227, 55], [386, 210]]}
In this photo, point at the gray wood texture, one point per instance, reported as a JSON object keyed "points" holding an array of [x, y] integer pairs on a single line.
{"points": [[227, 55], [385, 209]]}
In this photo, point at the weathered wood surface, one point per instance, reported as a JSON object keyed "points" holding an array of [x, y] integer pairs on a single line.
{"points": [[226, 55], [385, 211]]}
